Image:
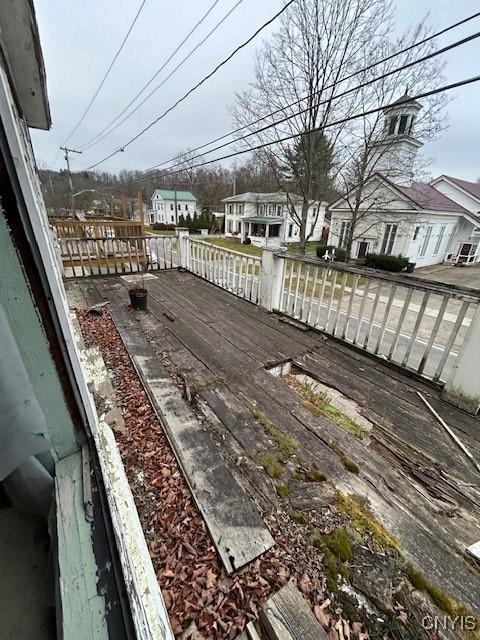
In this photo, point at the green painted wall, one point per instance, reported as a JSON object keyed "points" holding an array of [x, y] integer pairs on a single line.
{"points": [[31, 340]]}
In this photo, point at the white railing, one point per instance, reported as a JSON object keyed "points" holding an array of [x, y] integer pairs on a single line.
{"points": [[82, 257], [418, 325], [232, 270]]}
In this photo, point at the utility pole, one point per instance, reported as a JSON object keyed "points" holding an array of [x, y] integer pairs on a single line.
{"points": [[67, 159]]}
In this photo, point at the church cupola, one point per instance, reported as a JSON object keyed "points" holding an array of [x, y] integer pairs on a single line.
{"points": [[394, 152], [400, 116]]}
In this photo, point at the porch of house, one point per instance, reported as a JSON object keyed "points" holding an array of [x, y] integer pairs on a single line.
{"points": [[222, 351], [263, 230]]}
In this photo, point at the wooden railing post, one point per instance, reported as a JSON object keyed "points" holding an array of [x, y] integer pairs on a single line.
{"points": [[463, 384], [272, 272], [182, 247]]}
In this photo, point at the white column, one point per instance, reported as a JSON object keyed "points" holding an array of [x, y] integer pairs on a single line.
{"points": [[183, 252], [272, 270], [463, 385]]}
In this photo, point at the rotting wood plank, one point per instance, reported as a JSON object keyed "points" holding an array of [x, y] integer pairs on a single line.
{"points": [[242, 308], [233, 521], [387, 408], [192, 314], [276, 344], [286, 616], [83, 610]]}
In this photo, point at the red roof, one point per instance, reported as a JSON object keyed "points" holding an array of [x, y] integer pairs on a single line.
{"points": [[472, 187], [427, 197]]}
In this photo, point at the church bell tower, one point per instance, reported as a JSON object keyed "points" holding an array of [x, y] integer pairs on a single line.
{"points": [[394, 153]]}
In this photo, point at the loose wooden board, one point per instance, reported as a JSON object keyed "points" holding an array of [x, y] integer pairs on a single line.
{"points": [[233, 521], [286, 616]]}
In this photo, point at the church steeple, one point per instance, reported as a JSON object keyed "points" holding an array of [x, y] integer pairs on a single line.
{"points": [[393, 153]]}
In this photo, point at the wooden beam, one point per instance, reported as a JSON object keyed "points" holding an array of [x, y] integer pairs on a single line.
{"points": [[287, 616]]}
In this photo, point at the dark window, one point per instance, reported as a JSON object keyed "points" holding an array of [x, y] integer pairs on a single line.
{"points": [[415, 233], [389, 239], [273, 231], [403, 124], [393, 122], [290, 230]]}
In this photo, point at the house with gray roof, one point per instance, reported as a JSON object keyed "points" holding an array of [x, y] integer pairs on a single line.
{"points": [[169, 204], [430, 223], [271, 219]]}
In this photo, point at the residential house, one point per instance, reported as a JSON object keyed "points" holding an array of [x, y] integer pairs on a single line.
{"points": [[266, 218], [429, 223], [169, 205]]}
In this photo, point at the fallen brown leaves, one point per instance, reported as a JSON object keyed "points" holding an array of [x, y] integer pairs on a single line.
{"points": [[203, 602]]}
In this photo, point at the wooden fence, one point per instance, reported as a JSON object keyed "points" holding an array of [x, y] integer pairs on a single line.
{"points": [[97, 228], [82, 257]]}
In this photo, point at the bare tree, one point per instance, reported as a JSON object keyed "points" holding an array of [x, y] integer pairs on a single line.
{"points": [[303, 74]]}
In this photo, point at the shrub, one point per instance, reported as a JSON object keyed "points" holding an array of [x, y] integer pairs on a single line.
{"points": [[247, 241], [339, 252], [161, 226], [386, 263]]}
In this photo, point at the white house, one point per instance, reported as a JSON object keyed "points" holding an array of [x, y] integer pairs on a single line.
{"points": [[429, 223], [266, 218], [169, 205]]}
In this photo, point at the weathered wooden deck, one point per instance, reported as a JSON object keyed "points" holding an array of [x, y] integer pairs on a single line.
{"points": [[420, 485]]}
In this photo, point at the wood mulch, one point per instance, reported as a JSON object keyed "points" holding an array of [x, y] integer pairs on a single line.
{"points": [[203, 602]]}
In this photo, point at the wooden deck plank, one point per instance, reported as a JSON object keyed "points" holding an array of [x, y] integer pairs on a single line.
{"points": [[272, 338], [233, 521], [286, 616]]}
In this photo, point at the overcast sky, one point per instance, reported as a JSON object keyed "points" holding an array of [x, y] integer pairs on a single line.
{"points": [[80, 38]]}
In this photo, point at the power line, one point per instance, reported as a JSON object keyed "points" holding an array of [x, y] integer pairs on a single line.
{"points": [[195, 87], [106, 74], [348, 77], [99, 137], [363, 114], [353, 89]]}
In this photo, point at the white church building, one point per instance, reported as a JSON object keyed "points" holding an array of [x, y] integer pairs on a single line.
{"points": [[429, 223], [266, 218]]}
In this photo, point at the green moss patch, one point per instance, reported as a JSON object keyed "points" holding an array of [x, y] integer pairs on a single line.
{"points": [[297, 516], [283, 490], [318, 404], [270, 462], [363, 521]]}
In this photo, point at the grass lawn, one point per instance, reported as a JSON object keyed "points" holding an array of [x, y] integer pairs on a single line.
{"points": [[249, 249], [156, 232], [229, 243], [310, 248]]}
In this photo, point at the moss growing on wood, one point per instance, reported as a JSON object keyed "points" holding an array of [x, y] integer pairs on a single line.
{"points": [[286, 445], [312, 474], [349, 464], [363, 521], [318, 404], [334, 565], [297, 516], [272, 466], [283, 490]]}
